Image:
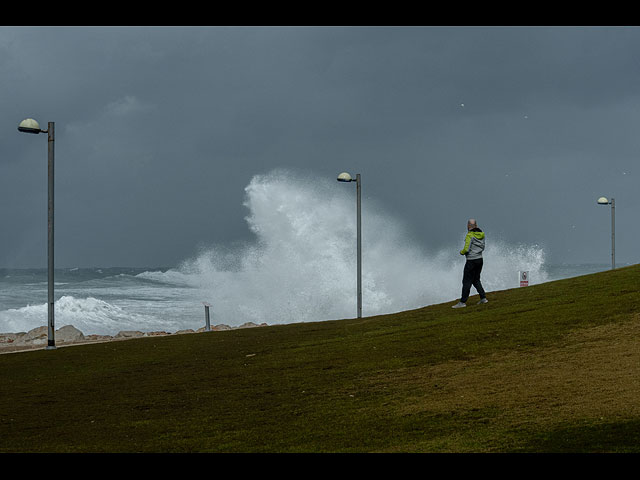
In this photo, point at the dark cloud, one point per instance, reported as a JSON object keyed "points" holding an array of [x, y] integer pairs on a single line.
{"points": [[159, 130]]}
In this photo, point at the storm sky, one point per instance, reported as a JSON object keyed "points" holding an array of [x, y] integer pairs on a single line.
{"points": [[160, 129]]}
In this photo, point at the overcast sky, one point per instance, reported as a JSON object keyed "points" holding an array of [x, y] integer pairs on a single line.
{"points": [[160, 129]]}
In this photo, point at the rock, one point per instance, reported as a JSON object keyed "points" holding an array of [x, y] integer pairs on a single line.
{"points": [[179, 332], [36, 336], [9, 338], [99, 337], [130, 334], [68, 333], [40, 336], [248, 325]]}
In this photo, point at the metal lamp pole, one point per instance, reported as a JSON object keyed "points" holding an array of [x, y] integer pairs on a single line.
{"points": [[604, 201], [31, 126], [345, 177]]}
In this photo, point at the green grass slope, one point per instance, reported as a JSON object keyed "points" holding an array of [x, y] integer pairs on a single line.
{"points": [[547, 368]]}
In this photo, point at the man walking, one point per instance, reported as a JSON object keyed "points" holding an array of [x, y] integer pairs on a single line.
{"points": [[473, 247]]}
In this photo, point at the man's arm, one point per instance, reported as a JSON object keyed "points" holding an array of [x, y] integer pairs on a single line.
{"points": [[467, 244]]}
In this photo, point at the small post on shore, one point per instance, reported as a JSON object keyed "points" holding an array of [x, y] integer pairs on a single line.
{"points": [[206, 316]]}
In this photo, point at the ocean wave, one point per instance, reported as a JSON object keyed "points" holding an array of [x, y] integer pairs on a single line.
{"points": [[169, 277], [89, 315]]}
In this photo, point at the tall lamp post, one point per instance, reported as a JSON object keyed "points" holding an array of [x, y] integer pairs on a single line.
{"points": [[29, 125], [345, 177], [604, 201]]}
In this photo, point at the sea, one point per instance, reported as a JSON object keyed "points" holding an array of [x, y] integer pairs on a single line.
{"points": [[105, 301], [299, 267]]}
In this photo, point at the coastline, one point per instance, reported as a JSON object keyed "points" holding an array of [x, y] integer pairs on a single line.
{"points": [[67, 336]]}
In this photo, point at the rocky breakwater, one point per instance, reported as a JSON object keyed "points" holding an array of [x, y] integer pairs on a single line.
{"points": [[69, 335]]}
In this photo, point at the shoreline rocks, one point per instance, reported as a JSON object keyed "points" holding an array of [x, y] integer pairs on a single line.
{"points": [[69, 335]]}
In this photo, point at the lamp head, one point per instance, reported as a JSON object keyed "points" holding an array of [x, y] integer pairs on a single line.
{"points": [[603, 201], [345, 177], [29, 125]]}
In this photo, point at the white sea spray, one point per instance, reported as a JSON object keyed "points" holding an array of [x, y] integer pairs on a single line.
{"points": [[302, 265]]}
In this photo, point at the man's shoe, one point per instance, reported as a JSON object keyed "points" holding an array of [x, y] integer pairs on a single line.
{"points": [[459, 305], [483, 300]]}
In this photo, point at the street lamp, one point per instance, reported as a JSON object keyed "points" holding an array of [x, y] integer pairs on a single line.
{"points": [[29, 125], [604, 201], [345, 177]]}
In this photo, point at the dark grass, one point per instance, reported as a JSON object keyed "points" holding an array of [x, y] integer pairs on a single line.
{"points": [[307, 387]]}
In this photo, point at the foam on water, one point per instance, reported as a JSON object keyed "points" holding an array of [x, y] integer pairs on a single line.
{"points": [[301, 266], [89, 315]]}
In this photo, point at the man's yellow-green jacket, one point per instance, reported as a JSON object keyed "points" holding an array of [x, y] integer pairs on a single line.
{"points": [[473, 244]]}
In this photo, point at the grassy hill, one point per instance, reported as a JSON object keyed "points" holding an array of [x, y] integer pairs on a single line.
{"points": [[548, 368]]}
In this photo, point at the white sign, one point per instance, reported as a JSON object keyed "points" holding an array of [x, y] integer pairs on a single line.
{"points": [[524, 279]]}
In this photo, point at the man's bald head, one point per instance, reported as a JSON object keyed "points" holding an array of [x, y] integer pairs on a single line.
{"points": [[471, 223]]}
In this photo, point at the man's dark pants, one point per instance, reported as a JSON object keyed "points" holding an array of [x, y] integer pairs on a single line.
{"points": [[470, 277]]}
